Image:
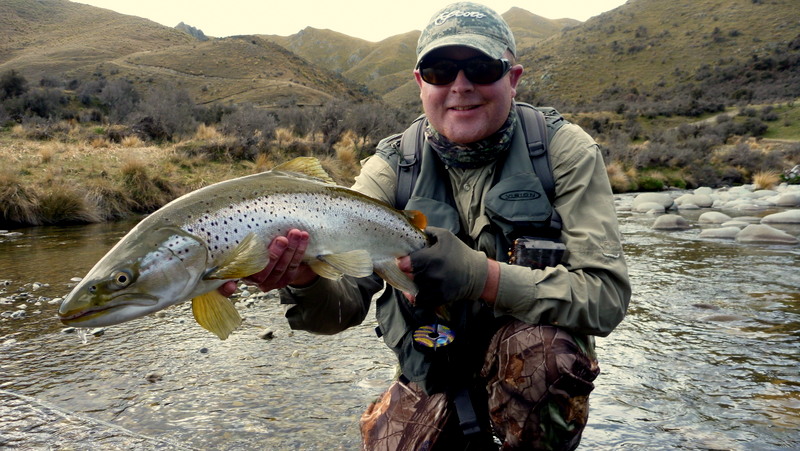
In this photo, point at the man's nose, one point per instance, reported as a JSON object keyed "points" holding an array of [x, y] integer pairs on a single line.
{"points": [[462, 83]]}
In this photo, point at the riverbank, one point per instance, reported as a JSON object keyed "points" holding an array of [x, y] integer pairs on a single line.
{"points": [[83, 181], [79, 175]]}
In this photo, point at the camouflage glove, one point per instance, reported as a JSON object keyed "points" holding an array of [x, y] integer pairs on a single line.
{"points": [[448, 270]]}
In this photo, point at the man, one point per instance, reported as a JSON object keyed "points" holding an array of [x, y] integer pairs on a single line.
{"points": [[509, 350]]}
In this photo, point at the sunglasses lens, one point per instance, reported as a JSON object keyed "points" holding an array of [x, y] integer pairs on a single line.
{"points": [[484, 72], [477, 70], [441, 72]]}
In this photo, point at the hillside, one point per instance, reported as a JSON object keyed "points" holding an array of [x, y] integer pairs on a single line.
{"points": [[657, 48], [66, 40], [385, 67]]}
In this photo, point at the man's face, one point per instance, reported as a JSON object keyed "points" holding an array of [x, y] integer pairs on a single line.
{"points": [[463, 111]]}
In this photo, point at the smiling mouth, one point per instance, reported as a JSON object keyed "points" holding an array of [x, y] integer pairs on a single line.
{"points": [[464, 108]]}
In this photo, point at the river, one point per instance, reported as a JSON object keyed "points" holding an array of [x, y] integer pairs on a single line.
{"points": [[707, 358]]}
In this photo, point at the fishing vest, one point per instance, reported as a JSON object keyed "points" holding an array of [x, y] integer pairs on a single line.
{"points": [[517, 204]]}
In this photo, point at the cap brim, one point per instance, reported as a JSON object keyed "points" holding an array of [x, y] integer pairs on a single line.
{"points": [[483, 44]]}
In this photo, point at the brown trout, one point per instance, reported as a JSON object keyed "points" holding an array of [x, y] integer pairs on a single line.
{"points": [[191, 246]]}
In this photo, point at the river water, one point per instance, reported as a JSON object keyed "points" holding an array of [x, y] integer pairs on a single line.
{"points": [[707, 358]]}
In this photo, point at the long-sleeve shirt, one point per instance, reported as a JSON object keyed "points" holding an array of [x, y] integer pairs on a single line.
{"points": [[588, 293]]}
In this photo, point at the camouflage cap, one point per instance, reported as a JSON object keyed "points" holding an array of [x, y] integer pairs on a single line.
{"points": [[467, 24]]}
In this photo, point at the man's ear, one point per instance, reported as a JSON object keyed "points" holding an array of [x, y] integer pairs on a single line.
{"points": [[514, 76], [418, 78]]}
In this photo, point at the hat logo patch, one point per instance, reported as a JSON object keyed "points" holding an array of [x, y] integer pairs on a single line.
{"points": [[444, 17]]}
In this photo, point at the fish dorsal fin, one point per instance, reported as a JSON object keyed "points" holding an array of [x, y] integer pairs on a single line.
{"points": [[216, 313], [391, 273], [305, 165], [356, 263], [248, 258], [417, 218]]}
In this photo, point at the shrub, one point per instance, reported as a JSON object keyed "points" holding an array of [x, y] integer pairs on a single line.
{"points": [[12, 84]]}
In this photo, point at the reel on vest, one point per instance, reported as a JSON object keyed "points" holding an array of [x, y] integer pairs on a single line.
{"points": [[433, 337]]}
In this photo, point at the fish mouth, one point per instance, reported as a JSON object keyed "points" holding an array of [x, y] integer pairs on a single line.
{"points": [[117, 303]]}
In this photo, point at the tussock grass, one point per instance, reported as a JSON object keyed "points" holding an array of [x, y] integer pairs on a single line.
{"points": [[147, 192], [766, 179], [18, 204], [60, 203]]}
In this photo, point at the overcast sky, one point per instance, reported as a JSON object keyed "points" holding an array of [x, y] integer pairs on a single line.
{"points": [[373, 20]]}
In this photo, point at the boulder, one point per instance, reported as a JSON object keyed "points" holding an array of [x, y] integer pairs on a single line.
{"points": [[660, 198], [671, 222], [784, 217], [713, 217], [788, 200], [647, 207], [728, 233], [762, 233]]}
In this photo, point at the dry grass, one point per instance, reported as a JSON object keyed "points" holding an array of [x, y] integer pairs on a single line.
{"points": [[621, 180], [766, 179]]}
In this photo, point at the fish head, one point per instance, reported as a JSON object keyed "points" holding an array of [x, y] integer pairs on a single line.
{"points": [[145, 272]]}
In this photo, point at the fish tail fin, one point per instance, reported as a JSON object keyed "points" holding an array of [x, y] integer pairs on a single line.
{"points": [[216, 313], [417, 218], [391, 273]]}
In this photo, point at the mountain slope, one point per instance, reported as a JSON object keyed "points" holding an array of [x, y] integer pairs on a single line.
{"points": [[652, 46], [58, 38]]}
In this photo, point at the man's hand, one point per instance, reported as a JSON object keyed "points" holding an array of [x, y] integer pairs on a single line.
{"points": [[285, 265], [447, 271]]}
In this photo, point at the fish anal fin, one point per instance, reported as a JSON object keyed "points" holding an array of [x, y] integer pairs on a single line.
{"points": [[305, 165], [248, 258], [356, 263], [325, 270], [216, 313], [417, 218], [391, 273]]}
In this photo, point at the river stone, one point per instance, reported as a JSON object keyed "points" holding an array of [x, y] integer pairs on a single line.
{"points": [[660, 198], [784, 217], [722, 232], [762, 233], [704, 190], [700, 200], [648, 207], [713, 217], [671, 222], [788, 200]]}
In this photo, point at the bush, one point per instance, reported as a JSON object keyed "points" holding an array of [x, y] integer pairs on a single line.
{"points": [[168, 110], [12, 84], [252, 126]]}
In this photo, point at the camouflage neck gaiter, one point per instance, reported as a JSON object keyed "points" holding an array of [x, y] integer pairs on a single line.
{"points": [[473, 155]]}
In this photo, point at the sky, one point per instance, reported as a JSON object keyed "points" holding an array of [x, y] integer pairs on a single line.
{"points": [[372, 20]]}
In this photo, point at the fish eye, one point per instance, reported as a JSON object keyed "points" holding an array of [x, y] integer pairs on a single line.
{"points": [[122, 279]]}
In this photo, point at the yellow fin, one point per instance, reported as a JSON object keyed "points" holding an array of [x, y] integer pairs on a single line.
{"points": [[325, 270], [356, 263], [417, 218], [249, 257], [390, 272], [216, 314], [305, 165]]}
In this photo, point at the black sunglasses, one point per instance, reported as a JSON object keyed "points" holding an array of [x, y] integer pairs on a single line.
{"points": [[479, 70]]}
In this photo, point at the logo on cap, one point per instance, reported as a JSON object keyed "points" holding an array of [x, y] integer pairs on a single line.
{"points": [[444, 17]]}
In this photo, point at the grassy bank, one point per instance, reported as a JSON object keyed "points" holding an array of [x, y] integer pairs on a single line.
{"points": [[78, 180], [71, 173]]}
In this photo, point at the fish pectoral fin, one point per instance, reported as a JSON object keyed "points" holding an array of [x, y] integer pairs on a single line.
{"points": [[391, 273], [216, 313], [248, 258]]}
